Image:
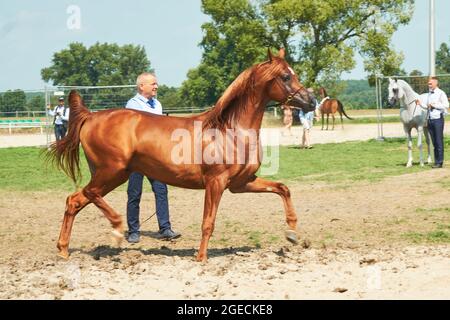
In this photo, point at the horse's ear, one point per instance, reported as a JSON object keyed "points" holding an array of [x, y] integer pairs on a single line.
{"points": [[269, 54], [282, 53]]}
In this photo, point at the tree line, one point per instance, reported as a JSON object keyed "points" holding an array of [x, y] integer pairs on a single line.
{"points": [[321, 39]]}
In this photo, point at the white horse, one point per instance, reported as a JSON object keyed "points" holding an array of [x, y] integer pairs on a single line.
{"points": [[412, 115]]}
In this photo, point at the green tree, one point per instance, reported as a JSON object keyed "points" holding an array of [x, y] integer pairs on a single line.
{"points": [[321, 38], [100, 65], [443, 59], [416, 73], [234, 39], [36, 103], [170, 99], [14, 101]]}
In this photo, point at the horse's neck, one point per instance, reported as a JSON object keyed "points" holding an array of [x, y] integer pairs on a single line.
{"points": [[409, 98], [253, 115]]}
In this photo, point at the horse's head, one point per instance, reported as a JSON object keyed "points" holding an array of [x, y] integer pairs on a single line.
{"points": [[322, 92], [284, 86], [396, 92]]}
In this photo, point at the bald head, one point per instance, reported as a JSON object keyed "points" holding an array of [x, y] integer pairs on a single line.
{"points": [[147, 85]]}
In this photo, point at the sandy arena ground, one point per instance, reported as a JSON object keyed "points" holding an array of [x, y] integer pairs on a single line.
{"points": [[356, 243]]}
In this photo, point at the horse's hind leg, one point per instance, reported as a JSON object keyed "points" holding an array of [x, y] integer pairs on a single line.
{"points": [[261, 185], [334, 120], [342, 121], [74, 203], [104, 181]]}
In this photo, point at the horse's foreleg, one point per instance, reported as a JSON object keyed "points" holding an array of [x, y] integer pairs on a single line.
{"points": [[328, 119], [426, 132], [261, 185], [409, 139], [420, 145], [74, 203], [323, 120], [213, 193]]}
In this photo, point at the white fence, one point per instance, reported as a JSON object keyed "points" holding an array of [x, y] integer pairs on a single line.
{"points": [[11, 125]]}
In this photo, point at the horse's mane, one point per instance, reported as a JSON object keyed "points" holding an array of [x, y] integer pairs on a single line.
{"points": [[234, 101], [407, 85]]}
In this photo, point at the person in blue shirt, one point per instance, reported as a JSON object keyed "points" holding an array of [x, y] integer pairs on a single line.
{"points": [[306, 119], [145, 100]]}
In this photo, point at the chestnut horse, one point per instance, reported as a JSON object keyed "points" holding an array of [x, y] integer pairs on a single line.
{"points": [[120, 141], [330, 106]]}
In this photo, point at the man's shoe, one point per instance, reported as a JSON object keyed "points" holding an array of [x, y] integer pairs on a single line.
{"points": [[436, 166], [169, 234], [133, 238]]}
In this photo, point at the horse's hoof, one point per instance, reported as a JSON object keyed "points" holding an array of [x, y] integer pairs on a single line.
{"points": [[63, 255], [291, 236], [201, 258], [117, 237]]}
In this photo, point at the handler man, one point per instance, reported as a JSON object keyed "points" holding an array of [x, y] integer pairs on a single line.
{"points": [[145, 100], [437, 103]]}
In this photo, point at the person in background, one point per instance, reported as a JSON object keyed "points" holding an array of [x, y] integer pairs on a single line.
{"points": [[287, 118], [145, 100], [60, 116], [306, 120]]}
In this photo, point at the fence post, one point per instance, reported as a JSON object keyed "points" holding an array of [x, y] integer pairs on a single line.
{"points": [[47, 121], [379, 104]]}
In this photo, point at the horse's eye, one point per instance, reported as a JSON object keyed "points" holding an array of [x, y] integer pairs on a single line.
{"points": [[286, 77]]}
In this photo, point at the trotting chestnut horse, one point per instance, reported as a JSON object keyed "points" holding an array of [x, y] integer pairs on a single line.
{"points": [[120, 141], [330, 106]]}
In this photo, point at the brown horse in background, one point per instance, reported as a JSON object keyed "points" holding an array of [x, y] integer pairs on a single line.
{"points": [[121, 141], [330, 106]]}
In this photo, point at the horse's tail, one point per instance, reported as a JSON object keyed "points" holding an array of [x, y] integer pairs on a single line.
{"points": [[341, 109], [65, 153]]}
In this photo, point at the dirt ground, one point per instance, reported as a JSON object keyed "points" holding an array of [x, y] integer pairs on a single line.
{"points": [[358, 241]]}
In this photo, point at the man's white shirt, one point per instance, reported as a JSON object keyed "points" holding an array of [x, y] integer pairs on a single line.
{"points": [[439, 101], [59, 119], [139, 102]]}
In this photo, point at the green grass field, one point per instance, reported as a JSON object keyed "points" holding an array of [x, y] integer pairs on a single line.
{"points": [[24, 169]]}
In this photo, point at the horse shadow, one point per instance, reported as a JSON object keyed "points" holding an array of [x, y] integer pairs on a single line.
{"points": [[106, 251], [415, 163]]}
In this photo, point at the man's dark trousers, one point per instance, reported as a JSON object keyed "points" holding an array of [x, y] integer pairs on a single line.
{"points": [[436, 128], [134, 198]]}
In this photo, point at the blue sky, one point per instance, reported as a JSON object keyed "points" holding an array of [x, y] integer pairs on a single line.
{"points": [[31, 31]]}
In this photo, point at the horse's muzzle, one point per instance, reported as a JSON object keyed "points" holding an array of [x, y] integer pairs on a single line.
{"points": [[304, 100], [392, 102]]}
